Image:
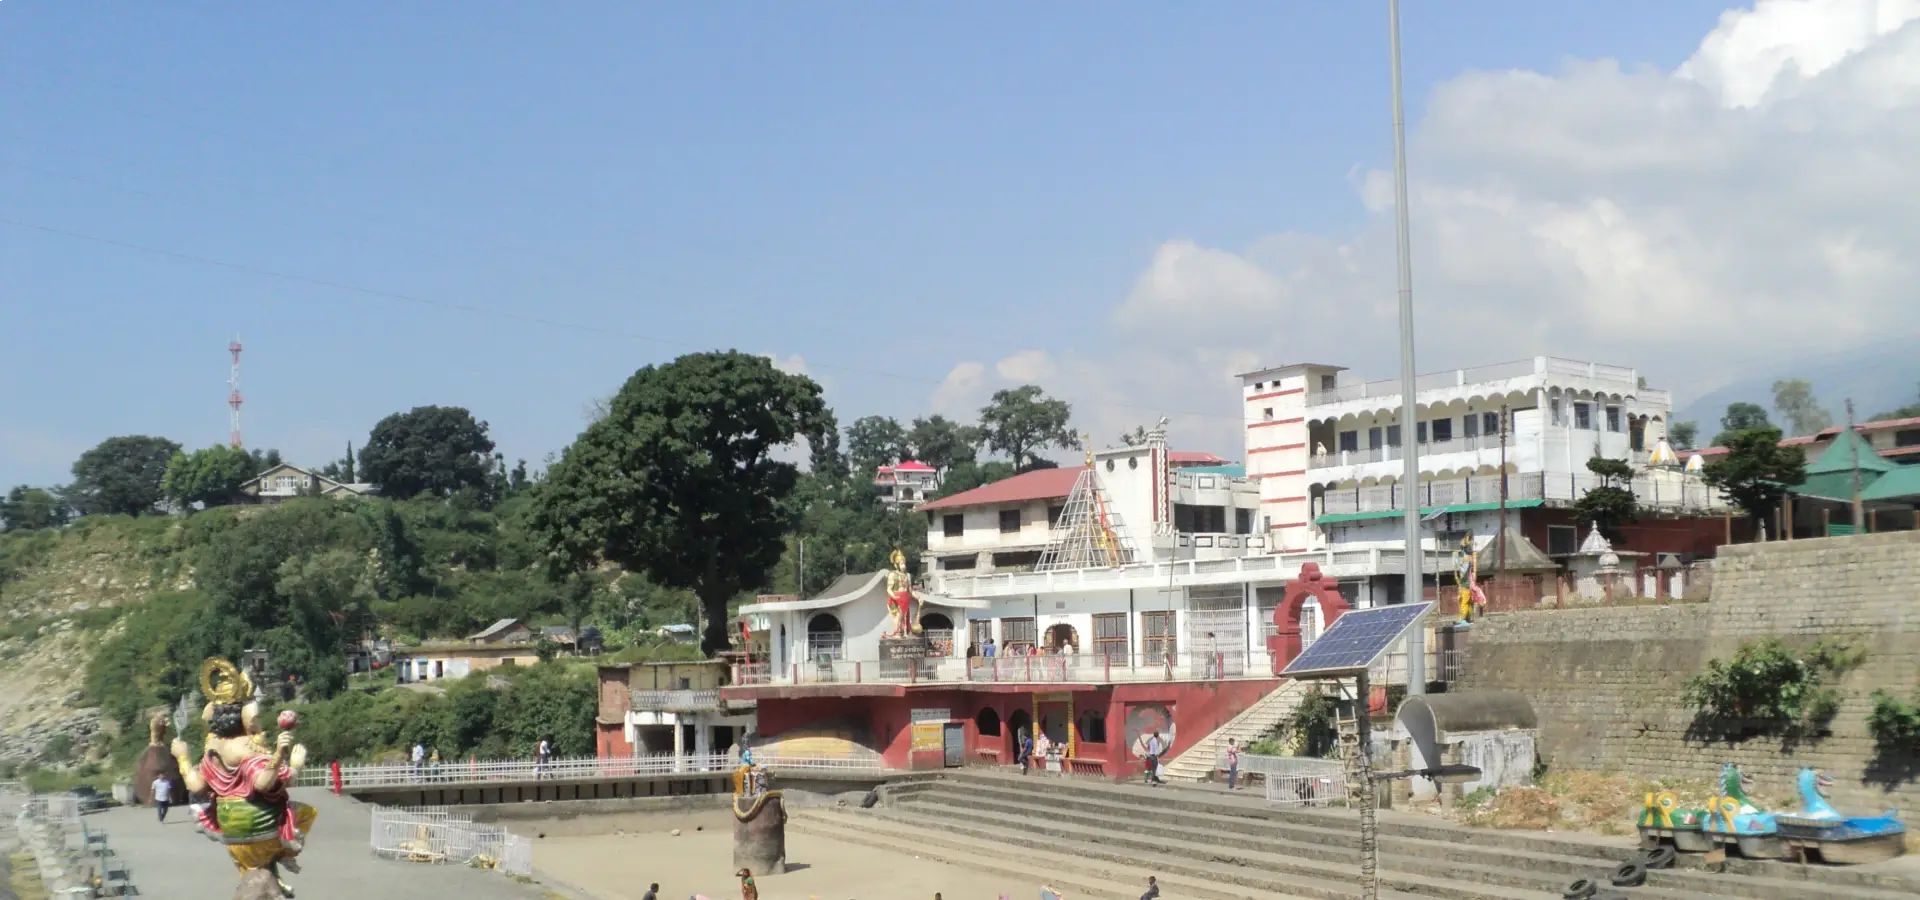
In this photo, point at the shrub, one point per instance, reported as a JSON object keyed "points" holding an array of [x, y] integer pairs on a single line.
{"points": [[1769, 688]]}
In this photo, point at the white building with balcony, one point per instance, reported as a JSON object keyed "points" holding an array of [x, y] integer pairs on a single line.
{"points": [[906, 483]]}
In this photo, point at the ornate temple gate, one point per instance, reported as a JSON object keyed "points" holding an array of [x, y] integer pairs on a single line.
{"points": [[1221, 610]]}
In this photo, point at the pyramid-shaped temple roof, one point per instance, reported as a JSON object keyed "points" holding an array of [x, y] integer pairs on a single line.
{"points": [[1839, 455]]}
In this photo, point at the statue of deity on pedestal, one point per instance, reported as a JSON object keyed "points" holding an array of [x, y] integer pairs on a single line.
{"points": [[1466, 572], [900, 598], [263, 830]]}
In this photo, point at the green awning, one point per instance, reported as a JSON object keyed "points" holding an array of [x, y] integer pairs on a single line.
{"points": [[1903, 483], [1834, 485], [1339, 518]]}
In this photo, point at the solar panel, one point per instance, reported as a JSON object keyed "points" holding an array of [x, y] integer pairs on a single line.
{"points": [[1357, 639]]}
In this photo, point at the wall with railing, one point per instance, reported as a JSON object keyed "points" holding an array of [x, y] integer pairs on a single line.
{"points": [[1620, 378], [452, 773], [1664, 491], [1276, 567]]}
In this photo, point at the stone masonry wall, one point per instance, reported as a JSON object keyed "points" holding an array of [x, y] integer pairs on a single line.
{"points": [[1607, 682]]}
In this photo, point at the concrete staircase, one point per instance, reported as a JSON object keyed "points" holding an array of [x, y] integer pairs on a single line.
{"points": [[1102, 840], [1199, 761]]}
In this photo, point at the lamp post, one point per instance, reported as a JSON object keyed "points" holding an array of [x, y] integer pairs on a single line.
{"points": [[1410, 474]]}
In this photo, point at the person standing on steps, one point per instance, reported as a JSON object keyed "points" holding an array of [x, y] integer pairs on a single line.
{"points": [[1153, 889], [1233, 764], [653, 892]]}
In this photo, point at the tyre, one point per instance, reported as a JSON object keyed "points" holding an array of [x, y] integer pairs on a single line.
{"points": [[1659, 858], [871, 800], [1633, 874], [1580, 890]]}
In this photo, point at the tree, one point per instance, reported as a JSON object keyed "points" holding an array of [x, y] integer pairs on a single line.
{"points": [[433, 450], [1756, 471], [1794, 400], [1683, 434], [942, 443], [1019, 422], [210, 477], [1610, 504], [29, 508], [972, 474], [1740, 417], [1909, 411], [875, 441], [678, 480], [122, 475]]}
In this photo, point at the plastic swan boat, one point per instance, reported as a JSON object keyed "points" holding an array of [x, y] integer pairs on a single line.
{"points": [[1846, 840], [1733, 818]]}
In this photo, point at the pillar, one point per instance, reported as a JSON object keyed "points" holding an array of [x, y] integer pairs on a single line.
{"points": [[679, 746]]}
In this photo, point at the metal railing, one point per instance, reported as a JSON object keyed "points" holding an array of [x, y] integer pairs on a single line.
{"points": [[438, 835], [1667, 492], [678, 701], [1192, 572], [1292, 780], [495, 771], [1626, 378], [1095, 667]]}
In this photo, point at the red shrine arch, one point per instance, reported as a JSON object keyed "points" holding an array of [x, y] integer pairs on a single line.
{"points": [[1284, 645]]}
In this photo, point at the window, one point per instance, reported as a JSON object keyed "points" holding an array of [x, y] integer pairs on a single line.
{"points": [[1907, 438], [1157, 631], [1490, 423], [1054, 514], [1393, 435], [1470, 425], [1349, 441], [1556, 414], [1613, 419], [1110, 635], [1327, 382], [1373, 439], [954, 525], [1009, 521], [1259, 385], [1266, 523], [1267, 414], [1093, 727], [1420, 432], [1442, 430], [1583, 416], [1562, 539], [686, 684], [980, 631], [1243, 521], [1017, 635]]}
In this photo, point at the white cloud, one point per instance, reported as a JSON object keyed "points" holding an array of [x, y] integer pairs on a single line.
{"points": [[960, 393], [1705, 224]]}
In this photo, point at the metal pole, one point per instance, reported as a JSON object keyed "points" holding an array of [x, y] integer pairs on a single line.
{"points": [[1500, 566], [1859, 519], [1410, 475]]}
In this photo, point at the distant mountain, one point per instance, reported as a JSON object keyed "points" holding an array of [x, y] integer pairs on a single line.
{"points": [[1878, 378]]}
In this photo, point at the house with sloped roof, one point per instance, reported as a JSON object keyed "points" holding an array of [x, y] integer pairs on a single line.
{"points": [[285, 482], [906, 482]]}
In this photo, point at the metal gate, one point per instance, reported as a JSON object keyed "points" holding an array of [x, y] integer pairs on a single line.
{"points": [[1219, 610], [954, 739]]}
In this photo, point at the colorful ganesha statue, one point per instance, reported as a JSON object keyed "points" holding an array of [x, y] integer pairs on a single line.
{"points": [[262, 828]]}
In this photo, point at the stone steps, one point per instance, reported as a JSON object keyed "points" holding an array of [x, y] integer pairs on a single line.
{"points": [[1199, 761], [1436, 859]]}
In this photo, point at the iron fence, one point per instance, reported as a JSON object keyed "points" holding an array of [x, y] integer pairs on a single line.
{"points": [[435, 834], [475, 771], [1295, 780]]}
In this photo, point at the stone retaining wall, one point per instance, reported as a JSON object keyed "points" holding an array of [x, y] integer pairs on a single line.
{"points": [[1607, 682]]}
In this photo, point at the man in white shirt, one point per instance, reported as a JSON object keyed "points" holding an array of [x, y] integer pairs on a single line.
{"points": [[162, 795], [419, 758]]}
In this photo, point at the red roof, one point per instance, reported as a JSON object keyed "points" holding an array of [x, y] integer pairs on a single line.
{"points": [[1039, 484], [912, 466], [1195, 458], [1826, 435]]}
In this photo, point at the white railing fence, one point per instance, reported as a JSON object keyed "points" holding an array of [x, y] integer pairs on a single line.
{"points": [[476, 771], [439, 835], [1294, 780]]}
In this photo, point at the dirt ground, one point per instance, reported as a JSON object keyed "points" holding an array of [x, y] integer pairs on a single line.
{"points": [[619, 866]]}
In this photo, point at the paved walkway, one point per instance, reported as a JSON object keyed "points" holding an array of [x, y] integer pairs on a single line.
{"points": [[174, 860]]}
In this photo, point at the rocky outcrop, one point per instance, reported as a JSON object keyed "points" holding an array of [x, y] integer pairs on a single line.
{"points": [[67, 739]]}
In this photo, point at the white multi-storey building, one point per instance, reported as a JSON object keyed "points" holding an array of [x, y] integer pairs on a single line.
{"points": [[906, 483]]}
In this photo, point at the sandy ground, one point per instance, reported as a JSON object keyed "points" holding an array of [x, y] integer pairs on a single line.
{"points": [[619, 866]]}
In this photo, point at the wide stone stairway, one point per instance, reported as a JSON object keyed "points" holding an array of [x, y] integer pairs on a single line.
{"points": [[1097, 839]]}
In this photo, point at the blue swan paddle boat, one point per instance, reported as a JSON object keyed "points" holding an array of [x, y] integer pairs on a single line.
{"points": [[1819, 831]]}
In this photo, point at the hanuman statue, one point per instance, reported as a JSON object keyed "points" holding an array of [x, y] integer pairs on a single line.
{"points": [[1466, 573], [252, 815], [900, 598]]}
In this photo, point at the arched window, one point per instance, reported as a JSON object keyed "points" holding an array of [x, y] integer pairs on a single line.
{"points": [[1018, 721], [1311, 622], [938, 630], [988, 722], [824, 637]]}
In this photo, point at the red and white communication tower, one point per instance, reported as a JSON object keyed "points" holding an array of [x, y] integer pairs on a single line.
{"points": [[233, 396]]}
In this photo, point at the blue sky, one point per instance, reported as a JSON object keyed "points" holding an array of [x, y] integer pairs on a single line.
{"points": [[893, 188]]}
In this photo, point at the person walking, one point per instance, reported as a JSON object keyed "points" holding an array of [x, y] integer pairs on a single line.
{"points": [[542, 752], [419, 757], [748, 891], [1233, 764], [1024, 752], [162, 796]]}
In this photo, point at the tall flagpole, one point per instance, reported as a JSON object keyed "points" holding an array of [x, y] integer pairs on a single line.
{"points": [[1410, 477]]}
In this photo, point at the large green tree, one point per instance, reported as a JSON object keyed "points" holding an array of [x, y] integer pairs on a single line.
{"points": [[943, 443], [28, 508], [1756, 471], [122, 475], [1020, 422], [1793, 398], [437, 450], [210, 477], [1683, 434], [875, 441], [1609, 504], [678, 480], [1740, 417]]}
